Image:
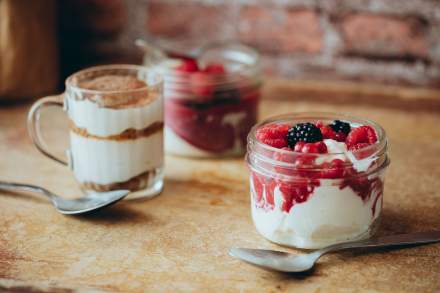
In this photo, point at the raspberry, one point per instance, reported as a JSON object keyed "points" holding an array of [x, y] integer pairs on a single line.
{"points": [[298, 146], [332, 170], [328, 132], [304, 161], [311, 147], [362, 134], [188, 65], [283, 157], [340, 136], [358, 152], [319, 124], [287, 149], [371, 134], [286, 158], [306, 132], [273, 135], [314, 148], [340, 126], [322, 147], [359, 146], [215, 68], [202, 84]]}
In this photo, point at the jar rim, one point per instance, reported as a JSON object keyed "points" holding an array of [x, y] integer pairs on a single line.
{"points": [[280, 163], [71, 81], [378, 170], [244, 63]]}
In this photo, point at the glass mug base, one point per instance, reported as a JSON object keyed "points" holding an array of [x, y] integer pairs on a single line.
{"points": [[153, 189]]}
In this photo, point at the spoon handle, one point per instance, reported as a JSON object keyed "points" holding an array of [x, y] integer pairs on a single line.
{"points": [[12, 186], [388, 241]]}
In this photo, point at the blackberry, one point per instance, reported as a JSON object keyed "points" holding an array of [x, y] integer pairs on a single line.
{"points": [[340, 126], [306, 132]]}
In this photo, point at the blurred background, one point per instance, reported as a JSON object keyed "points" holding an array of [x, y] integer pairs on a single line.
{"points": [[384, 42]]}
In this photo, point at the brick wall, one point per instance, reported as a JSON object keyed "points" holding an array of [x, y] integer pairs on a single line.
{"points": [[386, 41]]}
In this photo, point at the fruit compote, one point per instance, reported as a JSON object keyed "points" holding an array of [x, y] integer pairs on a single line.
{"points": [[316, 179], [210, 102]]}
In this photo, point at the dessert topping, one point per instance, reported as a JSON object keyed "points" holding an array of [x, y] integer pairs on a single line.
{"points": [[306, 132], [273, 135], [312, 147], [361, 134], [333, 170], [328, 132], [188, 65], [215, 68], [340, 136], [340, 126]]}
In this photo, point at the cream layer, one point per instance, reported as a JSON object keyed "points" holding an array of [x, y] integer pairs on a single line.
{"points": [[103, 122], [109, 161], [330, 215]]}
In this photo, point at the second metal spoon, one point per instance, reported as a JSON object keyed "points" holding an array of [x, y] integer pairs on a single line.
{"points": [[291, 263], [81, 205]]}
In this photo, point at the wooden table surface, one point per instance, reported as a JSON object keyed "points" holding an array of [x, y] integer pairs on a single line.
{"points": [[179, 240]]}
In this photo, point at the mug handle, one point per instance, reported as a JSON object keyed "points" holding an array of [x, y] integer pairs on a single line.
{"points": [[33, 124]]}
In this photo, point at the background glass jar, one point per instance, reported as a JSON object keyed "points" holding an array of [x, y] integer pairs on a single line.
{"points": [[210, 102], [306, 201]]}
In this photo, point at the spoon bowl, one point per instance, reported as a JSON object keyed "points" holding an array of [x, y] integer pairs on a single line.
{"points": [[291, 263], [89, 203], [82, 205], [275, 260]]}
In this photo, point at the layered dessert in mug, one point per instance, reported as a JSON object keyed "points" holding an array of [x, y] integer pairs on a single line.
{"points": [[316, 179], [210, 102], [116, 129]]}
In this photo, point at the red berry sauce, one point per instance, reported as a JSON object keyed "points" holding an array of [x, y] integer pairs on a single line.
{"points": [[203, 117], [292, 192]]}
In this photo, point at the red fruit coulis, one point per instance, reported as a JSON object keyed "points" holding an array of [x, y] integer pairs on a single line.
{"points": [[203, 126], [293, 192], [200, 117], [299, 191]]}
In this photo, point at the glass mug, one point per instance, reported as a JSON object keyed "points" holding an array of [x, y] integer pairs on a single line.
{"points": [[116, 129]]}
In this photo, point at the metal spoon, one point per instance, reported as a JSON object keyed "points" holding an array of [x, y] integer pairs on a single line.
{"points": [[291, 263], [89, 203]]}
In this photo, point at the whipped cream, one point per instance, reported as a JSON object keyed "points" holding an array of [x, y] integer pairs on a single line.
{"points": [[176, 145], [340, 148], [234, 119], [109, 161], [330, 215], [106, 121]]}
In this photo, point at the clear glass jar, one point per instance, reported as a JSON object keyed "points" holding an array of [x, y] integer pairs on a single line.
{"points": [[304, 201], [208, 113]]}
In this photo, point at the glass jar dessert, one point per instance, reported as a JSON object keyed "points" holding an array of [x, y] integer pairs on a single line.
{"points": [[316, 179], [210, 102]]}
